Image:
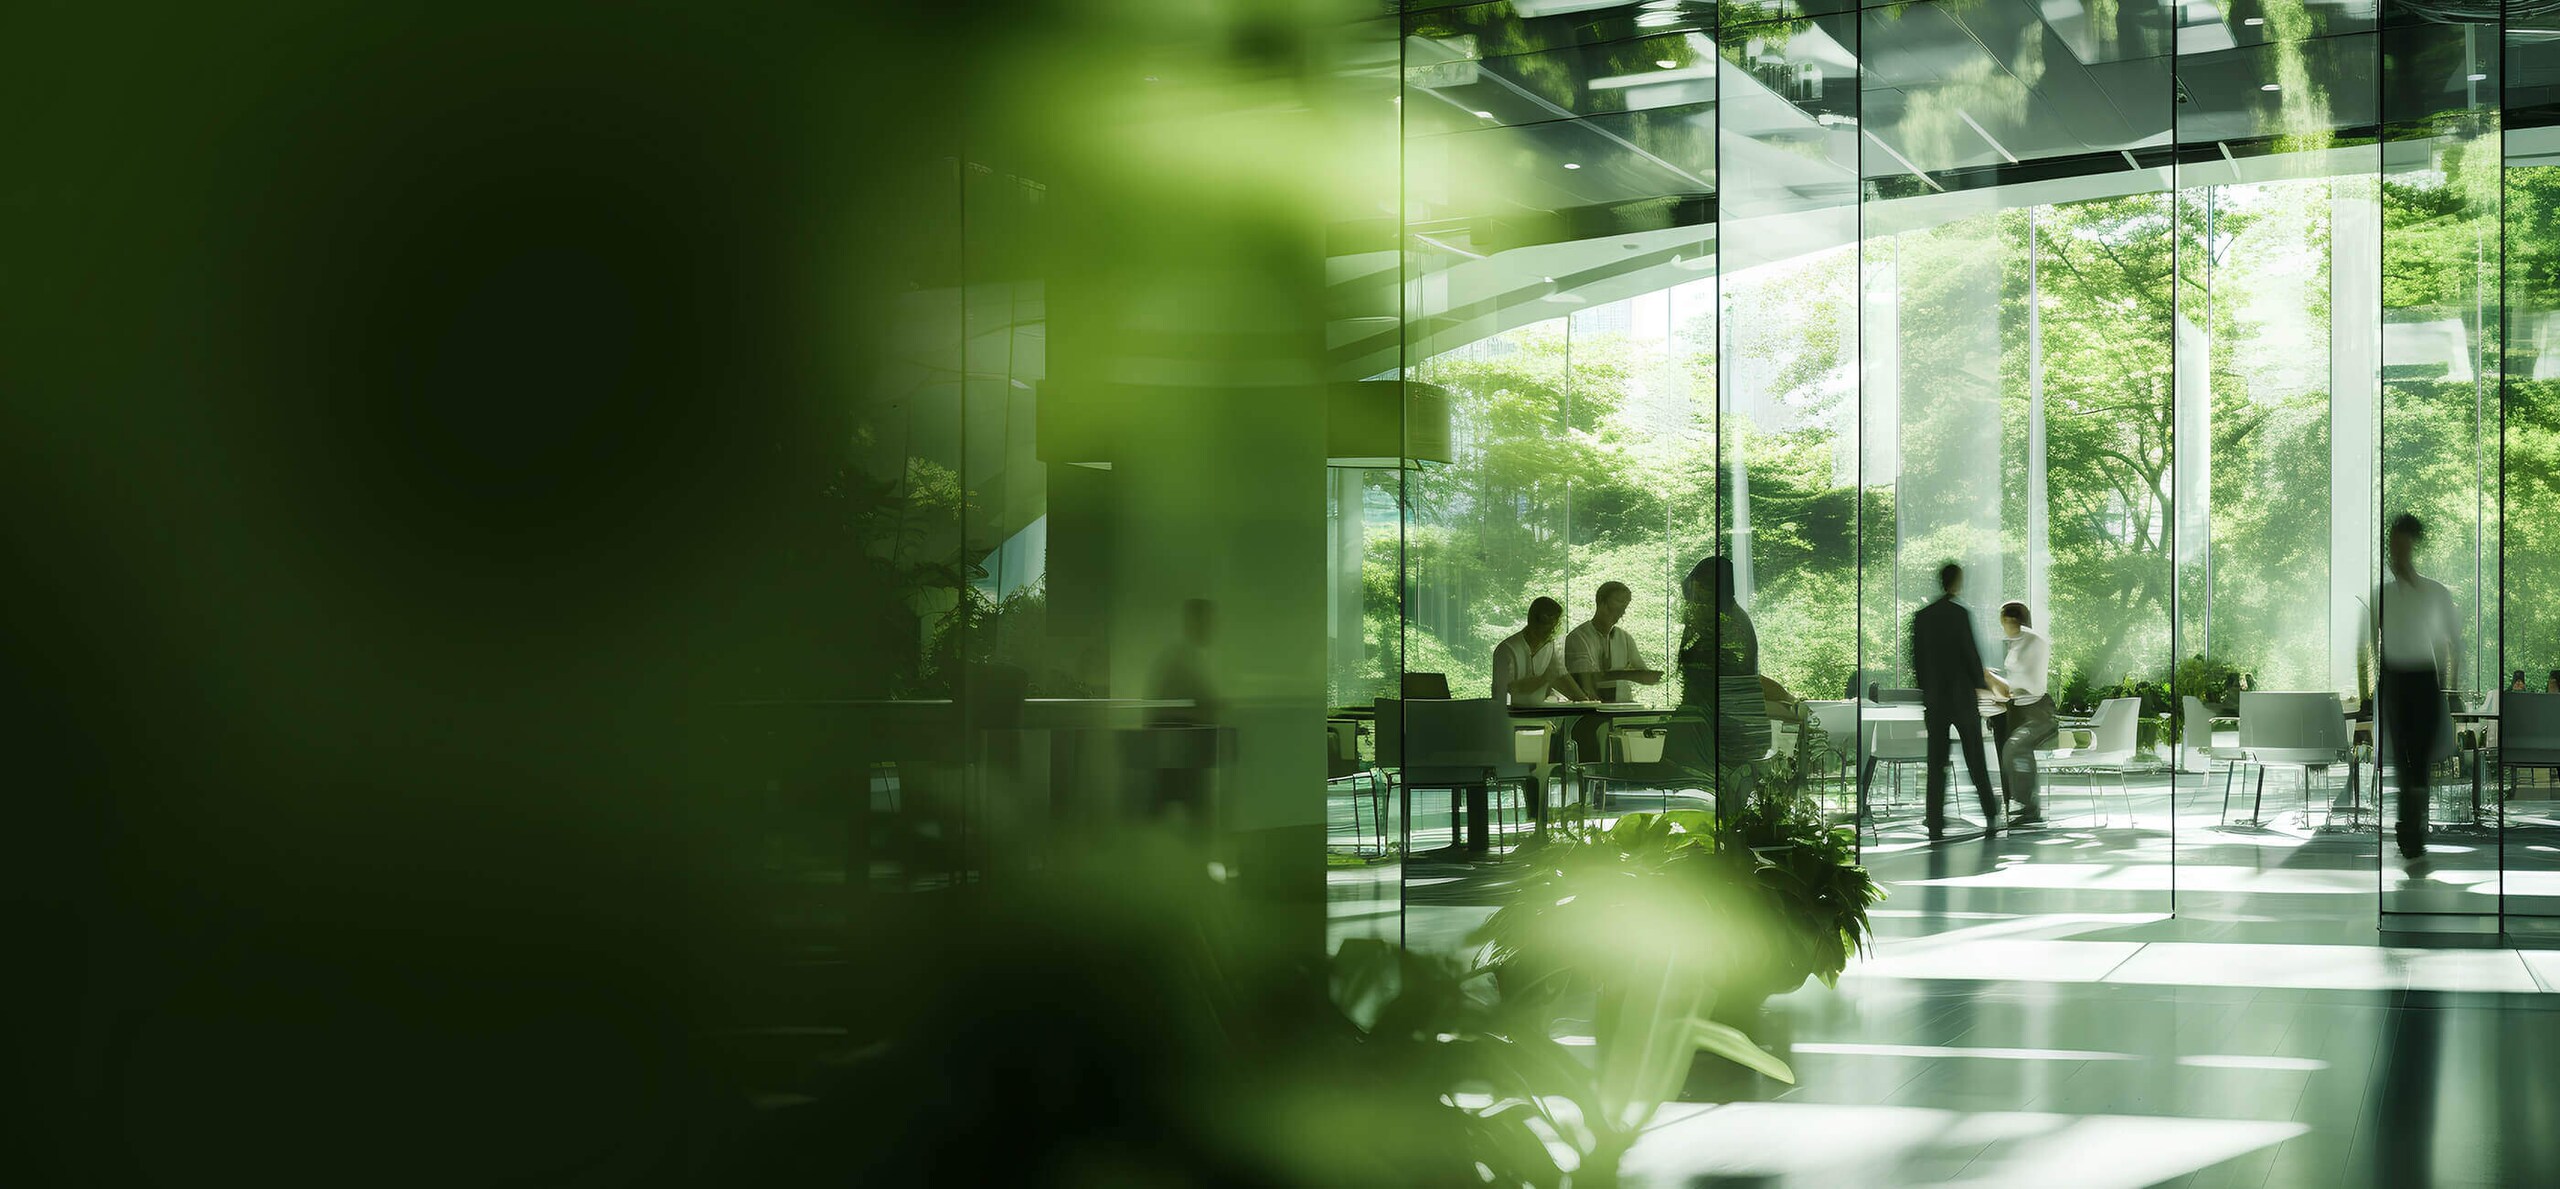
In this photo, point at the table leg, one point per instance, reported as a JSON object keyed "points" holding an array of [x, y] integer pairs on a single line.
{"points": [[1479, 831]]}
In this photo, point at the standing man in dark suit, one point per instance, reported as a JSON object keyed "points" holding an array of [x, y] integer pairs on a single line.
{"points": [[1948, 667]]}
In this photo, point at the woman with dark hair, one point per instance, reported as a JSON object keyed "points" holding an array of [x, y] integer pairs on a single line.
{"points": [[1728, 719]]}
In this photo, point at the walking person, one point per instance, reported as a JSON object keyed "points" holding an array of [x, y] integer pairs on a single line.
{"points": [[2418, 638], [2027, 724], [1947, 664]]}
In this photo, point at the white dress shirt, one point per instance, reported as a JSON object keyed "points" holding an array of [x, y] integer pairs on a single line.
{"points": [[2415, 620], [1514, 660], [2030, 656], [1587, 650]]}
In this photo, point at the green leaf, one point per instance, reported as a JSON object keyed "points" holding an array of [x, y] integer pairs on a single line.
{"points": [[1368, 974], [1730, 1043]]}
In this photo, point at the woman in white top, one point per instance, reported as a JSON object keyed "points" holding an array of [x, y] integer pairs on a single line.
{"points": [[2028, 723]]}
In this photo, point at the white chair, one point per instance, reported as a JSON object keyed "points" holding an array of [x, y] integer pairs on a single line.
{"points": [[2306, 732], [2203, 746], [2107, 746], [1532, 743]]}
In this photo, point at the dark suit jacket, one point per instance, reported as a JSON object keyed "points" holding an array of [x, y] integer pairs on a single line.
{"points": [[1944, 659]]}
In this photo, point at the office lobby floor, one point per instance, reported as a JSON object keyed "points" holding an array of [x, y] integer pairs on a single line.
{"points": [[2034, 1014]]}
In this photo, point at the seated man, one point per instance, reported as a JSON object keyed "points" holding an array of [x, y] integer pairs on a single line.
{"points": [[1603, 659], [1528, 668]]}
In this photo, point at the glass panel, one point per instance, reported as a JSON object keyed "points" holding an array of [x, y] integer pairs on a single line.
{"points": [[2530, 543], [2017, 328], [1770, 632], [2441, 185], [1557, 232], [2276, 296]]}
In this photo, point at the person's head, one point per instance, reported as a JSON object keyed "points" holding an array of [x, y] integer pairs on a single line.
{"points": [[2516, 682], [1199, 621], [2014, 618], [1611, 604], [2406, 533], [1544, 614], [1951, 579], [2554, 687], [1710, 581]]}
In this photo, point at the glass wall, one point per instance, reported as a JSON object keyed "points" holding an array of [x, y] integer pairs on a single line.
{"points": [[2150, 320], [2278, 285], [2529, 468]]}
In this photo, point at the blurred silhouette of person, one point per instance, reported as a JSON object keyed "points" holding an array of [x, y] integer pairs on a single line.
{"points": [[1182, 671], [1947, 665], [2028, 723], [1605, 660], [2553, 686], [1720, 698], [2418, 642], [1528, 665], [1181, 745], [2516, 685]]}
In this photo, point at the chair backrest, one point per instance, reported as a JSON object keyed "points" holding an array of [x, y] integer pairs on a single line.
{"points": [[1900, 739], [2292, 728], [1457, 734], [2116, 727], [1530, 741], [2529, 728], [1635, 741], [1426, 685], [1839, 722], [1342, 748]]}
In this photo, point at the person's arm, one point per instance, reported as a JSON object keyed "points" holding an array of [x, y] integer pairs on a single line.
{"points": [[1570, 686], [1998, 687], [1505, 675]]}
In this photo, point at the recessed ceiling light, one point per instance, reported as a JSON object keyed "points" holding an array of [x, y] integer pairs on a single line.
{"points": [[1484, 115], [2479, 78], [1571, 165], [2255, 21], [2270, 87], [1665, 63]]}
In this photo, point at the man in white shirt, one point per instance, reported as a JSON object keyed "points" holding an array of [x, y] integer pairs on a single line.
{"points": [[1605, 660], [1528, 667], [2420, 646], [2028, 722]]}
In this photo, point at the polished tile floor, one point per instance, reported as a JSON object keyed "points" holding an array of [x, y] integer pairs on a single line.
{"points": [[2036, 1013]]}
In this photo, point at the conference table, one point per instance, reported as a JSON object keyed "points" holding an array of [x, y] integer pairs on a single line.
{"points": [[1576, 716]]}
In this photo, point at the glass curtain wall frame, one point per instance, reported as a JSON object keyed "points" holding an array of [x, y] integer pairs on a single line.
{"points": [[2442, 173]]}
